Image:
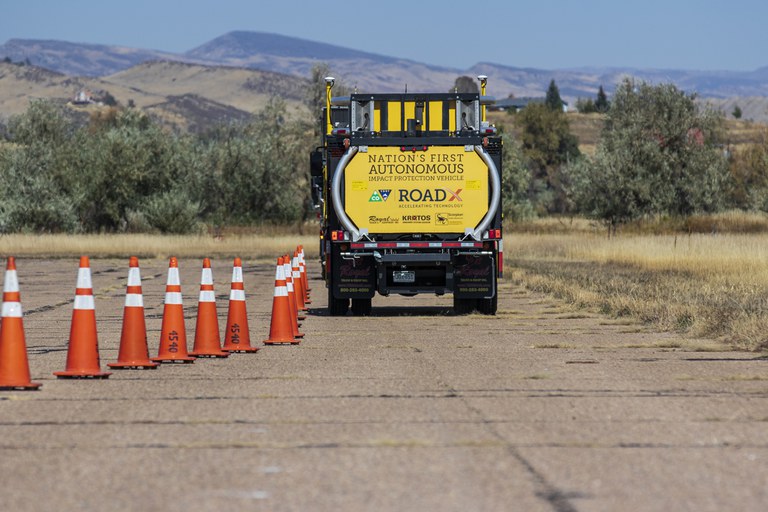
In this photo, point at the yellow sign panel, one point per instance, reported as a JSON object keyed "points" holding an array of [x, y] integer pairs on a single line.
{"points": [[441, 190]]}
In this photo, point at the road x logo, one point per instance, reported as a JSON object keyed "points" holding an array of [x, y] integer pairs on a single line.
{"points": [[429, 195], [379, 195], [454, 195]]}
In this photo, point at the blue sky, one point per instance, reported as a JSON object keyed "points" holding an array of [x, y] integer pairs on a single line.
{"points": [[671, 34]]}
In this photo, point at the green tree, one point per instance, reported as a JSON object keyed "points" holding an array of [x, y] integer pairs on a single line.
{"points": [[658, 154], [283, 164], [119, 166], [585, 106], [749, 175], [35, 172], [257, 172], [34, 197], [736, 112], [465, 84], [601, 103], [108, 99], [515, 181], [547, 144], [553, 100], [42, 123]]}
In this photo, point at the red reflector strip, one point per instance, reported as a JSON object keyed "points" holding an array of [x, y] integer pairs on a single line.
{"points": [[416, 245]]}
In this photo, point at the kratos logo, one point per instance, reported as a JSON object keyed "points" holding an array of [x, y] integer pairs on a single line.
{"points": [[417, 218]]}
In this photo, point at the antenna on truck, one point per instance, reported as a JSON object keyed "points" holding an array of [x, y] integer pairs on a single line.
{"points": [[329, 81]]}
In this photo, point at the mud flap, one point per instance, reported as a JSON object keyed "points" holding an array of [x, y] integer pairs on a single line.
{"points": [[474, 276], [354, 278]]}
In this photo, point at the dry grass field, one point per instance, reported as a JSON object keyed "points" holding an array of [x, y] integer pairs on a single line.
{"points": [[710, 285], [255, 247]]}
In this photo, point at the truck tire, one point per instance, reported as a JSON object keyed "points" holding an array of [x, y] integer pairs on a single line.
{"points": [[361, 307], [463, 306], [336, 307], [488, 306]]}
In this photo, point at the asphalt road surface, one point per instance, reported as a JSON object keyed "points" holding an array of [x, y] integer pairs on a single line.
{"points": [[411, 409]]}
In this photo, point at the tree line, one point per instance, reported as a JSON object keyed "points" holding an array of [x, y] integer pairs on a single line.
{"points": [[121, 172], [659, 154]]}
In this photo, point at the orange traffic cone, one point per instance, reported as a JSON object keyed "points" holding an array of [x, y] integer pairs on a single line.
{"points": [[295, 317], [14, 365], [298, 283], [173, 333], [83, 353], [207, 338], [292, 291], [237, 336], [280, 327], [305, 279], [134, 352]]}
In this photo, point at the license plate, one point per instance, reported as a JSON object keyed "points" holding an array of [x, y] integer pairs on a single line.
{"points": [[403, 276]]}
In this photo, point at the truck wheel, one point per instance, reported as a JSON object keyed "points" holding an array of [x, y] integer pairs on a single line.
{"points": [[336, 307], [488, 306], [463, 306], [361, 307]]}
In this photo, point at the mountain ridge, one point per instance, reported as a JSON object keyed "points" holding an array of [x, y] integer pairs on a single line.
{"points": [[296, 56], [278, 45], [366, 71]]}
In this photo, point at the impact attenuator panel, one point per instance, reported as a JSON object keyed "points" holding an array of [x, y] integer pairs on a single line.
{"points": [[434, 189]]}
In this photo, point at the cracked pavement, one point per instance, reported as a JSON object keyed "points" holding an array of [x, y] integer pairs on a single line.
{"points": [[412, 408]]}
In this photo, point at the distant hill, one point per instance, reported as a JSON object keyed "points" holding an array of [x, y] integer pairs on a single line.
{"points": [[188, 97], [78, 59], [241, 46], [242, 88], [294, 56], [234, 53]]}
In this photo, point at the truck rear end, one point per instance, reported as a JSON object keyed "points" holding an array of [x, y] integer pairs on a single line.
{"points": [[409, 187]]}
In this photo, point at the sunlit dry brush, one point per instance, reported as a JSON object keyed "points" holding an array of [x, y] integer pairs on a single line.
{"points": [[251, 246], [705, 285]]}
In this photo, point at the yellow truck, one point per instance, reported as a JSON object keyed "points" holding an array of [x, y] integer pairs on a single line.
{"points": [[408, 188]]}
